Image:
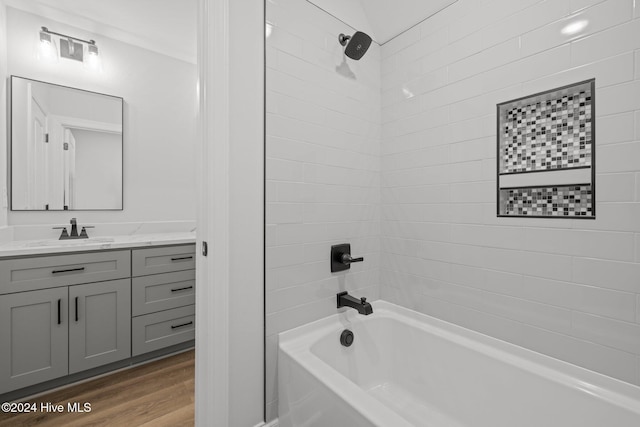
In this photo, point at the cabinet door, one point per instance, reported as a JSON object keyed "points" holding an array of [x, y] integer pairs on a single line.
{"points": [[33, 337], [99, 324]]}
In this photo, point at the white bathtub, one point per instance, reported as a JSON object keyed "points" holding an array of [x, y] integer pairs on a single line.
{"points": [[408, 369]]}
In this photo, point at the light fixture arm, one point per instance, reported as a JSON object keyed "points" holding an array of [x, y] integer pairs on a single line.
{"points": [[46, 30]]}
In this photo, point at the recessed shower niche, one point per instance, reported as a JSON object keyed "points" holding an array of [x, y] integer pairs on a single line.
{"points": [[546, 154]]}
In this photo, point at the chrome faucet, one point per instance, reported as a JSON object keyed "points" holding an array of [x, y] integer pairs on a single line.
{"points": [[346, 300]]}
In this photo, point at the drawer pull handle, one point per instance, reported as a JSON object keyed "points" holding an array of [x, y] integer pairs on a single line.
{"points": [[180, 326], [182, 258], [181, 289], [59, 312], [70, 270]]}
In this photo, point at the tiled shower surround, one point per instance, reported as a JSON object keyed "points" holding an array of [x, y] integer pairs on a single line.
{"points": [[566, 288], [563, 287], [323, 170]]}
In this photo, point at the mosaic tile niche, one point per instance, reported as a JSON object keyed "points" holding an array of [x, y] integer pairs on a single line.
{"points": [[546, 154], [549, 201]]}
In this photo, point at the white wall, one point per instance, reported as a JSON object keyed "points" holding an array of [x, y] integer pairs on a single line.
{"points": [[323, 170], [159, 120], [3, 116], [566, 288]]}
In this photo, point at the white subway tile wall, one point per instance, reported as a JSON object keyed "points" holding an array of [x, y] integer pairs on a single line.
{"points": [[566, 288], [323, 170]]}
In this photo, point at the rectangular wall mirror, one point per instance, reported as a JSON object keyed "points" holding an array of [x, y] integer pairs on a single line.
{"points": [[66, 148]]}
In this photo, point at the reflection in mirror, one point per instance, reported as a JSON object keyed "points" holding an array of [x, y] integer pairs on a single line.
{"points": [[66, 148]]}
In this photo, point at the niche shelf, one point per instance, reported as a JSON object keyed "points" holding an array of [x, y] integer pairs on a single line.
{"points": [[546, 154]]}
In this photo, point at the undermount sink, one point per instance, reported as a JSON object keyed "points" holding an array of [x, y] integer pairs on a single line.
{"points": [[70, 242]]}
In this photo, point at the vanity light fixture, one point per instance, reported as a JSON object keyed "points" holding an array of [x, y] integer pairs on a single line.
{"points": [[70, 48]]}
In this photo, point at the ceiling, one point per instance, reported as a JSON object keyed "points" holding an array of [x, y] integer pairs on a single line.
{"points": [[382, 19], [164, 26]]}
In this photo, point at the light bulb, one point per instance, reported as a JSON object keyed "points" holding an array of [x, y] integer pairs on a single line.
{"points": [[93, 61], [47, 50]]}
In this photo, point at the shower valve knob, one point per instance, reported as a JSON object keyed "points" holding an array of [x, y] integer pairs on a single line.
{"points": [[341, 257]]}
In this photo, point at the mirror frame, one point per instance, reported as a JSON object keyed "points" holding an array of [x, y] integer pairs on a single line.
{"points": [[11, 142]]}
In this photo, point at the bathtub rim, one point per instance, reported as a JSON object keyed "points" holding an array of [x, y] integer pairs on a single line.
{"points": [[297, 344]]}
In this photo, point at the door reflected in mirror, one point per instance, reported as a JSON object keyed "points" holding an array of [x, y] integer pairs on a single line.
{"points": [[66, 148]]}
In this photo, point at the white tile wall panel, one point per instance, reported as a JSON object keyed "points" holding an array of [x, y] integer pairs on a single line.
{"points": [[284, 213], [621, 157], [618, 187], [594, 244], [613, 217], [412, 159], [607, 72], [535, 66], [477, 192], [475, 149], [465, 213], [526, 20], [415, 141], [622, 276], [614, 41], [587, 299], [474, 128], [284, 170], [487, 59], [496, 237], [478, 106], [416, 212], [439, 174], [402, 41], [637, 120], [619, 98], [487, 14], [577, 5], [615, 128], [613, 333], [607, 360], [597, 18]]}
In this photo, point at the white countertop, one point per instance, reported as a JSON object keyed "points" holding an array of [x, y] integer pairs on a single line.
{"points": [[48, 246]]}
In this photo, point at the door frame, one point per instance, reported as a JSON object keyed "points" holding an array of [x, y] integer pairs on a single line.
{"points": [[230, 296]]}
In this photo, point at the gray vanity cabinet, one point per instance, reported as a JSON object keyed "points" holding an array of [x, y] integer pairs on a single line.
{"points": [[99, 324], [70, 313], [34, 336]]}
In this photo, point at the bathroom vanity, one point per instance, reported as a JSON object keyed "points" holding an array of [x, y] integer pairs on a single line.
{"points": [[69, 311]]}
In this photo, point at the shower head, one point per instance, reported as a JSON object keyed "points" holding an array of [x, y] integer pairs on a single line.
{"points": [[356, 45]]}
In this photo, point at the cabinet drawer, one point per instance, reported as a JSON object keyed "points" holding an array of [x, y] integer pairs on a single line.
{"points": [[163, 291], [163, 260], [163, 329], [25, 274]]}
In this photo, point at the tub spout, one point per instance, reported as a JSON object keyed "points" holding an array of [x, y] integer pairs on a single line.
{"points": [[346, 300]]}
